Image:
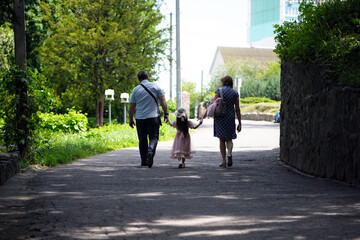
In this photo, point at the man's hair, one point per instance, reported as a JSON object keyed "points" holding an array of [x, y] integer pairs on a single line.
{"points": [[142, 75]]}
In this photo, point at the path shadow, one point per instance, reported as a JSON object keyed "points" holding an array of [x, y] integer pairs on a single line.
{"points": [[110, 197]]}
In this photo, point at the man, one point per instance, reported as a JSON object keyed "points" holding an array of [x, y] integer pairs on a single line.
{"points": [[147, 116]]}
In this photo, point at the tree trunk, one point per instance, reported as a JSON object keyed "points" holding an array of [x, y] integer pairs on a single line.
{"points": [[19, 33], [97, 113], [22, 87], [102, 108]]}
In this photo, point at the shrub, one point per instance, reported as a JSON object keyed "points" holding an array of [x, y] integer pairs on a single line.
{"points": [[72, 121], [255, 100], [326, 33]]}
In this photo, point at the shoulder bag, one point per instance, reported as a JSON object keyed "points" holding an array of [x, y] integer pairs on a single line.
{"points": [[220, 110], [157, 104]]}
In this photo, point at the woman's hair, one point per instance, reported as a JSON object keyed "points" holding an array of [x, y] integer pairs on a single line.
{"points": [[182, 121], [227, 81]]}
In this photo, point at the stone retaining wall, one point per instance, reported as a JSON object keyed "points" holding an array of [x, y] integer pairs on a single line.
{"points": [[320, 123], [9, 166], [258, 116]]}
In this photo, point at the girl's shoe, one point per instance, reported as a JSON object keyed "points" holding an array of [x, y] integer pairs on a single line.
{"points": [[180, 165], [230, 161], [222, 165]]}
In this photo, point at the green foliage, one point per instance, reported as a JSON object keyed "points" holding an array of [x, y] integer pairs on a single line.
{"points": [[257, 80], [171, 104], [268, 87], [59, 147], [328, 33], [248, 69], [71, 122], [253, 88], [19, 107], [95, 45], [272, 108], [259, 105], [255, 100], [7, 54], [6, 11]]}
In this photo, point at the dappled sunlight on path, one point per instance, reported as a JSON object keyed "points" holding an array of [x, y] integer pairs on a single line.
{"points": [[110, 196]]}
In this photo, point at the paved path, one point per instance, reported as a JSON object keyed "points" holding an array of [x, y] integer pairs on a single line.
{"points": [[110, 197]]}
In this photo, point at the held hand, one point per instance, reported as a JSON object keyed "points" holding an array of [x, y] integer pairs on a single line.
{"points": [[167, 119]]}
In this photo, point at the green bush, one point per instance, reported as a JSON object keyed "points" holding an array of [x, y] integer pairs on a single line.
{"points": [[71, 122], [255, 100], [272, 89], [327, 34]]}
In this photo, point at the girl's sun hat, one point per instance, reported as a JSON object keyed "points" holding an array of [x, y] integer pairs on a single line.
{"points": [[181, 113]]}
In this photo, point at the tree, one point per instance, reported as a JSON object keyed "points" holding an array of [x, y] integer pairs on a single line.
{"points": [[97, 45], [248, 69], [16, 98], [257, 80]]}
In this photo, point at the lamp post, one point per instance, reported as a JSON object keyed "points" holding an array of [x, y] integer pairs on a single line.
{"points": [[109, 95], [124, 99]]}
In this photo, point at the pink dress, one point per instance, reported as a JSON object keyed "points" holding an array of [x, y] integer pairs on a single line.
{"points": [[182, 145]]}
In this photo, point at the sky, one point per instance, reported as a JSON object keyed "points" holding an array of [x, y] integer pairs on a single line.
{"points": [[204, 25]]}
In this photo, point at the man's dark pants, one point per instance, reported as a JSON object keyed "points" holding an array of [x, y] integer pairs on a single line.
{"points": [[147, 128]]}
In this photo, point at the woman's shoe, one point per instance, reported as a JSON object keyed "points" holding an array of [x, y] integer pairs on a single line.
{"points": [[222, 165], [230, 161], [180, 165]]}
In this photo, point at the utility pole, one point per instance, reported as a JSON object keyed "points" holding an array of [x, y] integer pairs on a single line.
{"points": [[171, 56], [178, 66], [202, 82]]}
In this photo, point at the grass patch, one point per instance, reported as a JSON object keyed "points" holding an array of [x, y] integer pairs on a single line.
{"points": [[60, 148], [254, 100], [259, 105]]}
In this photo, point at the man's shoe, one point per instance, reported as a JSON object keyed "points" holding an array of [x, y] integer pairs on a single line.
{"points": [[150, 159], [144, 164]]}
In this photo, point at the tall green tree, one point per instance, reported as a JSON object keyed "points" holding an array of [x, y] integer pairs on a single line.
{"points": [[257, 80], [100, 44], [248, 69]]}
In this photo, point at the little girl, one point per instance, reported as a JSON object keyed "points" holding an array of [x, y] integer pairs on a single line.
{"points": [[182, 143]]}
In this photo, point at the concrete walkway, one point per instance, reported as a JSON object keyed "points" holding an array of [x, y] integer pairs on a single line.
{"points": [[110, 197]]}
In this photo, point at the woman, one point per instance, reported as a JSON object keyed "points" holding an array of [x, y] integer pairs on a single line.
{"points": [[224, 127]]}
